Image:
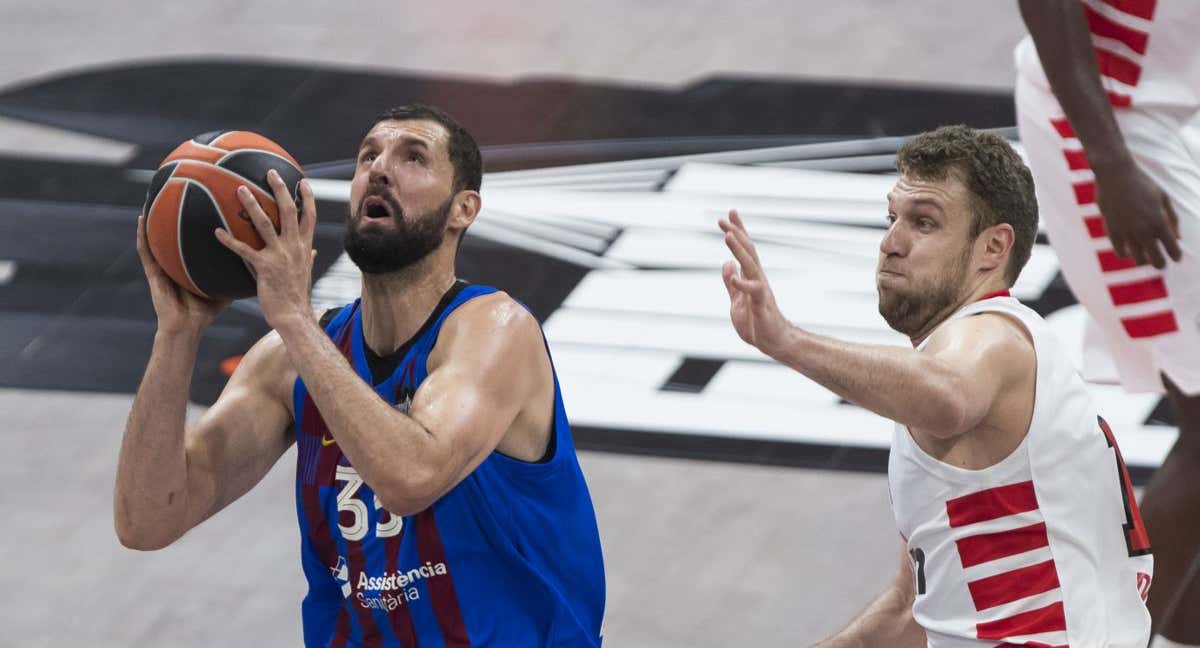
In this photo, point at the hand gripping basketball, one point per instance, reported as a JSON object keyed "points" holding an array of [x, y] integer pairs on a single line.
{"points": [[283, 267], [177, 310], [195, 190]]}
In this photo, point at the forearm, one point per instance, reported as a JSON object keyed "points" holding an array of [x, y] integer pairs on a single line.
{"points": [[385, 446], [1060, 33], [150, 497], [897, 383], [887, 622]]}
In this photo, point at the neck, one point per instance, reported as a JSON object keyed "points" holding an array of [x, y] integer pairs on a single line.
{"points": [[988, 285], [396, 304]]}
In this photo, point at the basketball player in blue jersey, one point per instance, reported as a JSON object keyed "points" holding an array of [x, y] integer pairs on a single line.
{"points": [[439, 497]]}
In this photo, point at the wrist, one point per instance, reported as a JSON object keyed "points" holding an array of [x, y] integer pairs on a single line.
{"points": [[181, 338], [776, 345], [293, 325]]}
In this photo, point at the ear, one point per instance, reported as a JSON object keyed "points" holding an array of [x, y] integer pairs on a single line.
{"points": [[994, 246], [464, 209]]}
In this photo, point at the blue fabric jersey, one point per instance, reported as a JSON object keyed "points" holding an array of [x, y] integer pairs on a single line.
{"points": [[509, 557]]}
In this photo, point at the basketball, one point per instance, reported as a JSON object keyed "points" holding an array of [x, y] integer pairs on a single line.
{"points": [[195, 191]]}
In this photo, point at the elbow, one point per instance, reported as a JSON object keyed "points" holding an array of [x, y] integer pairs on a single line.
{"points": [[410, 494], [952, 422], [404, 506], [949, 413], [138, 535], [136, 539]]}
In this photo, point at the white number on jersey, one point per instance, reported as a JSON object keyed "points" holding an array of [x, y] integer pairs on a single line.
{"points": [[347, 501]]}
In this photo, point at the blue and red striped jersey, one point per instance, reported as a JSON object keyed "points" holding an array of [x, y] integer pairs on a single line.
{"points": [[509, 556]]}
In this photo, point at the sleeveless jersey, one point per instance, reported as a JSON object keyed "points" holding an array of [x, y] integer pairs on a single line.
{"points": [[509, 556], [1145, 51], [1044, 548]]}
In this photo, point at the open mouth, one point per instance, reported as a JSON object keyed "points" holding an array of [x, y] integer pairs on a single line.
{"points": [[376, 208]]}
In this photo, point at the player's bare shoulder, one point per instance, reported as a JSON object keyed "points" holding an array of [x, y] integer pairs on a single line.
{"points": [[498, 343], [492, 323], [987, 335]]}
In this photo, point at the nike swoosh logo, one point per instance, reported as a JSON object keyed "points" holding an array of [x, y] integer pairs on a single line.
{"points": [[326, 441]]}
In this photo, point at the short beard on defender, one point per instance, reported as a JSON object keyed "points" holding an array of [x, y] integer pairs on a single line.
{"points": [[910, 313]]}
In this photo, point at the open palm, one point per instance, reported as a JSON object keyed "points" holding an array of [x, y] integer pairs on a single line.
{"points": [[752, 308]]}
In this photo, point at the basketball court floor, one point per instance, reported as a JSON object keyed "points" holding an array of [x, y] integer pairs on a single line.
{"points": [[738, 503]]}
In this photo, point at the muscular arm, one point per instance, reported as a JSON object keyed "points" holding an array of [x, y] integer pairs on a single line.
{"points": [[1138, 215], [945, 390], [888, 621], [169, 480], [1064, 45], [488, 363]]}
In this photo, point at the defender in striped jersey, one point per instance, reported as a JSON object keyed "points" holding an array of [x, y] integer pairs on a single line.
{"points": [[1108, 105], [439, 496], [1016, 514]]}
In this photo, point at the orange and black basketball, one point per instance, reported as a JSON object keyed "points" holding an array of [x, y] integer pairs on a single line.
{"points": [[195, 191]]}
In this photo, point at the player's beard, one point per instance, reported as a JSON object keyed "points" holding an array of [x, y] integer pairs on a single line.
{"points": [[910, 310], [411, 237]]}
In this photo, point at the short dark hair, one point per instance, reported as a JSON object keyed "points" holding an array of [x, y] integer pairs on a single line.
{"points": [[464, 152], [1001, 185]]}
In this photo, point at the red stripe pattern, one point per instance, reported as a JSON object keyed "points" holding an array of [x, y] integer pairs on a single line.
{"points": [[327, 459], [1017, 583], [1046, 619], [991, 504], [372, 637], [318, 471], [1105, 27], [400, 618], [1119, 100], [1137, 291], [1115, 66], [1085, 192], [979, 549], [1143, 9], [441, 590], [1013, 585], [1063, 127], [341, 632], [1110, 262], [1127, 292], [1150, 325], [1095, 226], [1076, 160]]}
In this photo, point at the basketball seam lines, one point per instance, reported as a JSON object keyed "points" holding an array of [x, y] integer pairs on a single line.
{"points": [[179, 232], [218, 139], [253, 150], [224, 224], [250, 184], [207, 146], [150, 207]]}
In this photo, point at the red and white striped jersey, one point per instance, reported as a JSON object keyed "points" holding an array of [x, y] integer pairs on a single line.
{"points": [[1145, 51], [1046, 547]]}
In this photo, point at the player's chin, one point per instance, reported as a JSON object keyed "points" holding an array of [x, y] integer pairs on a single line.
{"points": [[362, 224]]}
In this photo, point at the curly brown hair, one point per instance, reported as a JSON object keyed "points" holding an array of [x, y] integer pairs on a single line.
{"points": [[1000, 184]]}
